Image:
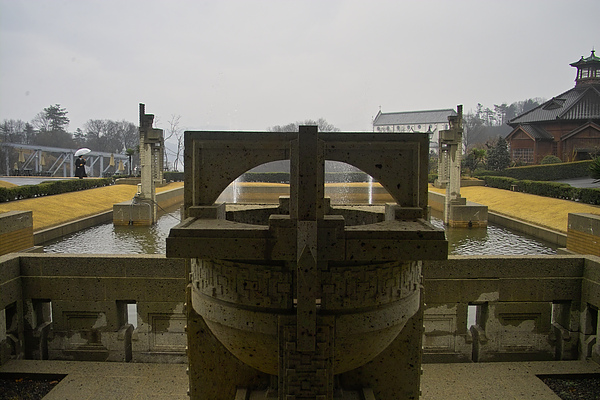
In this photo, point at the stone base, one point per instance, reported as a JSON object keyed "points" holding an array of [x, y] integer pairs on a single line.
{"points": [[128, 213], [471, 215], [137, 180]]}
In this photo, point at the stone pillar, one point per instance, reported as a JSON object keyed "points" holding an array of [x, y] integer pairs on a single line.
{"points": [[451, 144], [457, 212], [143, 208], [307, 336]]}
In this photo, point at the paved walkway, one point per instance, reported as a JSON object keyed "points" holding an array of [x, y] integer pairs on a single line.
{"points": [[133, 381], [109, 381]]}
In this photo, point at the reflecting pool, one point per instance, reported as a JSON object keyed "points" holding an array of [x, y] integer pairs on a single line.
{"points": [[109, 239]]}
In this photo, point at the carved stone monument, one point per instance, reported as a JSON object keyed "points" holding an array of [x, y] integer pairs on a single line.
{"points": [[290, 301], [142, 210], [457, 211]]}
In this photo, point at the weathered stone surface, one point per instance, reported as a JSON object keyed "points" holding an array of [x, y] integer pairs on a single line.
{"points": [[16, 231], [301, 294], [583, 234]]}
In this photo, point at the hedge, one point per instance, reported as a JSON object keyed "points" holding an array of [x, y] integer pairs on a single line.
{"points": [[548, 172], [173, 176], [547, 189], [48, 188]]}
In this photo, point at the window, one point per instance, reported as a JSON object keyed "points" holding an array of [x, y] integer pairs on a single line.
{"points": [[585, 73], [128, 312], [524, 155]]}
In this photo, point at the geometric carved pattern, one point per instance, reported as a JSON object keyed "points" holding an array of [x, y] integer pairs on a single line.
{"points": [[369, 286], [305, 374], [344, 287], [243, 284]]}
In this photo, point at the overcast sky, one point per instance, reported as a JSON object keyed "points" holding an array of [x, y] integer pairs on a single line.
{"points": [[249, 65]]}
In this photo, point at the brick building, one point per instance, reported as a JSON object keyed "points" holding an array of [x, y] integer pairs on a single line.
{"points": [[567, 126]]}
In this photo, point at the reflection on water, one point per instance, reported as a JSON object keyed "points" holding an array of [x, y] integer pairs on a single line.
{"points": [[110, 239], [493, 240]]}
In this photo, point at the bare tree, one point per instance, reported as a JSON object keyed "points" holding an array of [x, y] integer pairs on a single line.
{"points": [[175, 133], [110, 136], [322, 123]]}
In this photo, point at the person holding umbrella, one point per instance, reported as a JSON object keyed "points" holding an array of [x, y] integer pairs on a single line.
{"points": [[80, 163]]}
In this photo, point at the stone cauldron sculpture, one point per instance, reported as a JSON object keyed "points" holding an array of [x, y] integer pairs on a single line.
{"points": [[311, 307]]}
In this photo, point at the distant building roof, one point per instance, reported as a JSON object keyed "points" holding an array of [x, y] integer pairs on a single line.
{"points": [[579, 103], [413, 117]]}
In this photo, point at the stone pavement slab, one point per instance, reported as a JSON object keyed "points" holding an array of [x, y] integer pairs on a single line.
{"points": [[477, 381], [115, 381], [501, 381]]}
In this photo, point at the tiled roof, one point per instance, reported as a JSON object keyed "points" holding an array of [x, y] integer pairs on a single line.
{"points": [[413, 117], [583, 61], [579, 103], [536, 132]]}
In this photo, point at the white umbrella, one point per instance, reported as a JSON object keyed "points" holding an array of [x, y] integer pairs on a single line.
{"points": [[82, 151]]}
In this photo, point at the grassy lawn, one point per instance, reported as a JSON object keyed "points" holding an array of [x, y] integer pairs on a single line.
{"points": [[538, 210], [49, 211]]}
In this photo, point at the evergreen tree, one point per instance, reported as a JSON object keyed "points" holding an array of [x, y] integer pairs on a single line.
{"points": [[498, 157], [51, 125], [595, 170], [473, 159], [52, 119]]}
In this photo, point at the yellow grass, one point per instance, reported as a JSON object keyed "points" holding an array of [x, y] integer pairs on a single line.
{"points": [[54, 210], [4, 184], [538, 210]]}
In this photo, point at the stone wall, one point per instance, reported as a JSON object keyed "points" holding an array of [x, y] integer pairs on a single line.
{"points": [[583, 235], [16, 231], [11, 308], [511, 308], [75, 307]]}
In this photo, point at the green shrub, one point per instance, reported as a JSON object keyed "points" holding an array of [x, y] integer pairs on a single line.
{"points": [[431, 178], [547, 189], [548, 172], [595, 169], [550, 159], [500, 182], [173, 176], [589, 196], [48, 188]]}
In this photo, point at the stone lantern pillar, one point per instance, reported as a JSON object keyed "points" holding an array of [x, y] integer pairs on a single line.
{"points": [[142, 209]]}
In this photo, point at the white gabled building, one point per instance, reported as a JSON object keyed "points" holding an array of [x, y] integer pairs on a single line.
{"points": [[429, 121]]}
